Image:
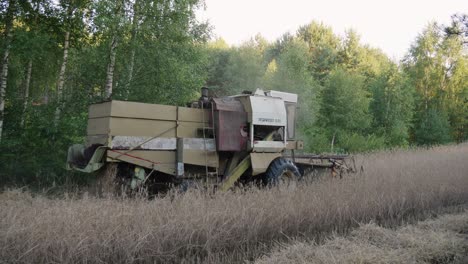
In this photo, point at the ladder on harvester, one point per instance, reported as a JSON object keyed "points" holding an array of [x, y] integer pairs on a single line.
{"points": [[209, 173]]}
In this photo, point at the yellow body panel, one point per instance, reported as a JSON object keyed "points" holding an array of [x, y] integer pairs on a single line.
{"points": [[200, 157], [164, 161], [121, 118], [133, 110], [130, 119], [261, 161], [193, 114]]}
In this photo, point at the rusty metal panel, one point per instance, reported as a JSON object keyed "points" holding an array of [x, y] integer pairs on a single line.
{"points": [[230, 124], [245, 100], [228, 104], [231, 134]]}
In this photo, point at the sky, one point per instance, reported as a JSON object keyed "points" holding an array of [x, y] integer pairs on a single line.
{"points": [[391, 26]]}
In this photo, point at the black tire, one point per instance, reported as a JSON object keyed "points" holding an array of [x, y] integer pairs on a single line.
{"points": [[281, 170]]}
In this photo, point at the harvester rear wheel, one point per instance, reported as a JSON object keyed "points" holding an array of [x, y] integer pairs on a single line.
{"points": [[280, 171]]}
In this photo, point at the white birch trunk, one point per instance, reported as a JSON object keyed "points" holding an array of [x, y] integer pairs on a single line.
{"points": [[26, 92], [333, 142], [133, 48], [113, 50], [3, 85], [5, 61], [61, 79], [110, 68], [130, 73]]}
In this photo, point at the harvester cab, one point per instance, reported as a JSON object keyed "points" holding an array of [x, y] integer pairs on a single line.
{"points": [[217, 140]]}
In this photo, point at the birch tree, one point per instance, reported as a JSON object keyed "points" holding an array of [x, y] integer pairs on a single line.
{"points": [[437, 69], [26, 91], [10, 15], [61, 78], [133, 40], [344, 105], [423, 65], [73, 24], [115, 31]]}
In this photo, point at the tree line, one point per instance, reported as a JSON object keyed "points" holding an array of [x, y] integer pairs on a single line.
{"points": [[57, 57], [353, 97]]}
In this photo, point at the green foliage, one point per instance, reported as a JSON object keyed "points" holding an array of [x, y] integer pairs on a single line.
{"points": [[436, 65], [433, 128], [218, 58], [169, 61], [323, 46], [458, 27], [354, 142], [245, 68], [351, 55], [289, 73], [316, 140], [345, 103], [34, 155], [392, 106], [318, 35], [165, 73], [352, 97]]}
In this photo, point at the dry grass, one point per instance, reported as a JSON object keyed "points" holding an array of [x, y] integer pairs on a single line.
{"points": [[444, 240], [395, 187]]}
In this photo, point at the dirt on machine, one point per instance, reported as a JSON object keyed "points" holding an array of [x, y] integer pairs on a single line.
{"points": [[218, 141]]}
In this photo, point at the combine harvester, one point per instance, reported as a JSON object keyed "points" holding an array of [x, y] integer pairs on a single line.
{"points": [[217, 141]]}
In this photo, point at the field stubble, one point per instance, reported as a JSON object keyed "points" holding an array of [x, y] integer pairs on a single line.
{"points": [[443, 240], [395, 187]]}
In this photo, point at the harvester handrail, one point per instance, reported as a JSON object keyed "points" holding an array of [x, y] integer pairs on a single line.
{"points": [[204, 140]]}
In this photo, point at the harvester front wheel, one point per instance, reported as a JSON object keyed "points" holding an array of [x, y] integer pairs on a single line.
{"points": [[280, 171]]}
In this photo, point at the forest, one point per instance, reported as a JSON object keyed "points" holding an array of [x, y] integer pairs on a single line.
{"points": [[57, 57]]}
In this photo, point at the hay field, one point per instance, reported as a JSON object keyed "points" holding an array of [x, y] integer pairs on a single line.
{"points": [[395, 187], [443, 240]]}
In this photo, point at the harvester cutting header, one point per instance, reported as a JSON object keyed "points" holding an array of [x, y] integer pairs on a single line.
{"points": [[221, 141]]}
